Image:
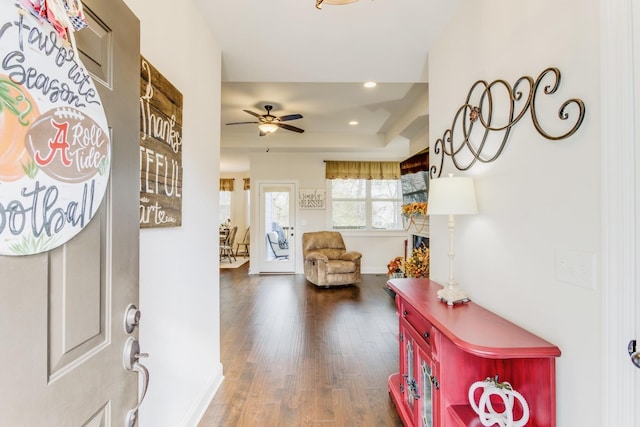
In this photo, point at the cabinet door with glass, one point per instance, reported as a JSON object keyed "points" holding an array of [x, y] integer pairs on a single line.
{"points": [[419, 379], [428, 387], [408, 372]]}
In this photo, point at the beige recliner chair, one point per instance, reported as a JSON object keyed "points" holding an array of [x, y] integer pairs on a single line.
{"points": [[326, 260]]}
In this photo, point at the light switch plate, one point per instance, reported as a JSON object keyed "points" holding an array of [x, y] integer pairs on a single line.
{"points": [[576, 268]]}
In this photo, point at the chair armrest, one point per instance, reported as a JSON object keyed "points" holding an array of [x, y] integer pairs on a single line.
{"points": [[351, 256], [316, 256]]}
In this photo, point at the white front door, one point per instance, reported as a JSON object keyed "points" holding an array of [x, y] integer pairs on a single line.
{"points": [[61, 312], [636, 80], [277, 229]]}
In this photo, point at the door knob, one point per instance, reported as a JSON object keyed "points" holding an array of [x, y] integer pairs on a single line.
{"points": [[633, 353]]}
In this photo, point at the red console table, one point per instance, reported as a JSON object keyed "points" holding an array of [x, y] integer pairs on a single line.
{"points": [[445, 349]]}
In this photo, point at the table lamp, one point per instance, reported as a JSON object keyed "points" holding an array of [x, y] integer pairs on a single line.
{"points": [[451, 196]]}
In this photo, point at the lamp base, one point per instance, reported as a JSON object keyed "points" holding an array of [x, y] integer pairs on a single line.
{"points": [[451, 294]]}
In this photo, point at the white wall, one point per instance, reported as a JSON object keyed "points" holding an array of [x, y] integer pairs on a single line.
{"points": [[539, 196], [309, 171], [179, 279]]}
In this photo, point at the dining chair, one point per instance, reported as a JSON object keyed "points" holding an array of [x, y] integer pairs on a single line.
{"points": [[226, 248], [244, 244]]}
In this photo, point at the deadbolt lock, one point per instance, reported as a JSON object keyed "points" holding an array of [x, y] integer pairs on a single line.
{"points": [[131, 318]]}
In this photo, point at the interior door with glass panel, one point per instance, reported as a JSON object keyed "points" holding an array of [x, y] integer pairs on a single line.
{"points": [[276, 230]]}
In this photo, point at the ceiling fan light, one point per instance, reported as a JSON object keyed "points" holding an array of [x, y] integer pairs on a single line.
{"points": [[267, 127]]}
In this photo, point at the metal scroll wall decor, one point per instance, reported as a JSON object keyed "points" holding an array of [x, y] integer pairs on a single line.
{"points": [[482, 125]]}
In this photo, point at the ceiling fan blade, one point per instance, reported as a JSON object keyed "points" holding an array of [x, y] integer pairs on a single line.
{"points": [[252, 113], [289, 127], [290, 117], [242, 123]]}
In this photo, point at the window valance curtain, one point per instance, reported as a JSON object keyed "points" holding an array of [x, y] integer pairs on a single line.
{"points": [[419, 162], [361, 170], [246, 183], [226, 184]]}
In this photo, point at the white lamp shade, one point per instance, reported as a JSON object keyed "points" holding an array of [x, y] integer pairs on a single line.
{"points": [[453, 195]]}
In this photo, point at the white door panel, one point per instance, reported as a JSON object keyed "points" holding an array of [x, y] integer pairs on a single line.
{"points": [[61, 312], [77, 300]]}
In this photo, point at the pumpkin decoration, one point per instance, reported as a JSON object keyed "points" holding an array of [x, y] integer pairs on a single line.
{"points": [[17, 111]]}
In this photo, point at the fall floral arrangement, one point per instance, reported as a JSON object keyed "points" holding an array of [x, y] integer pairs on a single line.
{"points": [[416, 208], [417, 265], [395, 266]]}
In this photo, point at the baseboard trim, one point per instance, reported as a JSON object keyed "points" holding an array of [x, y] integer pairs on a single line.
{"points": [[196, 411]]}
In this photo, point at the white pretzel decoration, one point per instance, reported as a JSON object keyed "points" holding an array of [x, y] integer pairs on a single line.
{"points": [[484, 408]]}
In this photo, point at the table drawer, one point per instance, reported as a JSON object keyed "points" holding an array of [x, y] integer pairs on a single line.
{"points": [[421, 325]]}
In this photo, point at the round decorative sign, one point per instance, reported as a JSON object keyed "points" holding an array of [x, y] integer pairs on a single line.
{"points": [[55, 149]]}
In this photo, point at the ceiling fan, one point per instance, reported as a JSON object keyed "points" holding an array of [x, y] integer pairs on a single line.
{"points": [[268, 123]]}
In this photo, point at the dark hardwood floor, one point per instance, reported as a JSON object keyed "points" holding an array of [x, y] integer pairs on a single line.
{"points": [[297, 355]]}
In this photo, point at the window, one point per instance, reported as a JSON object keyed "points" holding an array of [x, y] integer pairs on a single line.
{"points": [[247, 211], [247, 200], [225, 207], [365, 204]]}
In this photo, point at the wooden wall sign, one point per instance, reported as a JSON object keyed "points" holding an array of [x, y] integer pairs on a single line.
{"points": [[55, 149], [160, 150], [312, 198]]}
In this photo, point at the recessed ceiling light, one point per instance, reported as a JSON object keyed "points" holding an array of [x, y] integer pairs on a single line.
{"points": [[320, 2], [353, 122], [370, 84]]}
